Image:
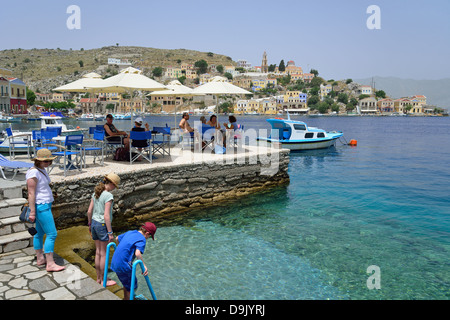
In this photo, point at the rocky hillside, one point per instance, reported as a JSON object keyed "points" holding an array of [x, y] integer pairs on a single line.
{"points": [[45, 69]]}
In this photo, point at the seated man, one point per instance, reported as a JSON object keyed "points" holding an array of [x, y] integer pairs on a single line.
{"points": [[184, 124], [138, 127], [112, 134]]}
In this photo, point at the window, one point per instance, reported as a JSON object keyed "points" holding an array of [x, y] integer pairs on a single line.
{"points": [[299, 127], [309, 135], [321, 135]]}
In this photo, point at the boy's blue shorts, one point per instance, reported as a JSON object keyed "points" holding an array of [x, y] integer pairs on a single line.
{"points": [[125, 279]]}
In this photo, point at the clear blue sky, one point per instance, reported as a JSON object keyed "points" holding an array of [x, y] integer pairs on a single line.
{"points": [[330, 36]]}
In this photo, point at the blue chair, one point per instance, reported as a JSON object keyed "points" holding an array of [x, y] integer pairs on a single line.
{"points": [[95, 146], [161, 140], [13, 165], [138, 152], [208, 136], [58, 130], [71, 144], [16, 141], [46, 140]]}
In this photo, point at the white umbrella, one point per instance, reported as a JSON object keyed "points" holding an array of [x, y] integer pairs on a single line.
{"points": [[219, 86], [80, 85], [127, 81], [176, 89]]}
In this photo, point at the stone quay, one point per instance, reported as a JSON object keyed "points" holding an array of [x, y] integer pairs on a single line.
{"points": [[170, 185]]}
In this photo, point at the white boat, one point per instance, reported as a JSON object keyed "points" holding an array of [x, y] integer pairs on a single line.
{"points": [[4, 118], [86, 117], [296, 135], [46, 122]]}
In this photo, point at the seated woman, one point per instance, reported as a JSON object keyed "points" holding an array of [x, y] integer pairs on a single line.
{"points": [[114, 135], [138, 127], [213, 122], [232, 124]]}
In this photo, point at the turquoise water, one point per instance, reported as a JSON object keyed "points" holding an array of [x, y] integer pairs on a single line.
{"points": [[385, 202]]}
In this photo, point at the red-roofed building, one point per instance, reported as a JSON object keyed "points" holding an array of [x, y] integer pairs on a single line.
{"points": [[89, 105]]}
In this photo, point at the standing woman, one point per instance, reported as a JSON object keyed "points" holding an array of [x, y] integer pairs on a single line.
{"points": [[99, 220], [40, 199]]}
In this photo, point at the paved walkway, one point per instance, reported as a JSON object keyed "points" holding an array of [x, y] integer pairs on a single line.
{"points": [[22, 279]]}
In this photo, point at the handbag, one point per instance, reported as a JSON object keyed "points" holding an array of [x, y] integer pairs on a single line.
{"points": [[25, 214]]}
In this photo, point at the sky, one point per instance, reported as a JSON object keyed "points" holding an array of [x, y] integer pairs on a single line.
{"points": [[411, 39]]}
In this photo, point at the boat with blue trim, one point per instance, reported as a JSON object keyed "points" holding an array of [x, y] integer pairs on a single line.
{"points": [[297, 135]]}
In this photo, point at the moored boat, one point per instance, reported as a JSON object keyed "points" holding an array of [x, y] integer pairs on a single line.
{"points": [[297, 135]]}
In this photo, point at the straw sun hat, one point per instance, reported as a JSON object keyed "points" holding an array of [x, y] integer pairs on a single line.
{"points": [[44, 155], [113, 178]]}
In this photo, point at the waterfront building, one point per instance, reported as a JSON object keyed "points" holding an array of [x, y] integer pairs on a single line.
{"points": [[4, 96], [191, 74], [421, 99], [385, 105], [401, 104], [295, 96], [89, 105], [18, 96], [268, 106], [368, 106]]}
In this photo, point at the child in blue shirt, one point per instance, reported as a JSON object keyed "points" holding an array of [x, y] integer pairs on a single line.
{"points": [[131, 245]]}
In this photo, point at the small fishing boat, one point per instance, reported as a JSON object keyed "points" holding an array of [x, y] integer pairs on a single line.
{"points": [[86, 117], [297, 135]]}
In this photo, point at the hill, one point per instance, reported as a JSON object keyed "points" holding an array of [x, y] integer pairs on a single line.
{"points": [[45, 69], [436, 91]]}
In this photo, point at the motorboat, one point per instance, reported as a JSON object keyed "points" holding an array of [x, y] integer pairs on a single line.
{"points": [[86, 117], [47, 120], [4, 118], [297, 135]]}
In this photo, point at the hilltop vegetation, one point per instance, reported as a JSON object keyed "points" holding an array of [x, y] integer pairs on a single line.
{"points": [[45, 69]]}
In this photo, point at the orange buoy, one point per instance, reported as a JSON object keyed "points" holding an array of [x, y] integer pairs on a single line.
{"points": [[353, 143]]}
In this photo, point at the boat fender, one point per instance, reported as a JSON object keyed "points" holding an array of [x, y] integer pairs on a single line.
{"points": [[353, 143]]}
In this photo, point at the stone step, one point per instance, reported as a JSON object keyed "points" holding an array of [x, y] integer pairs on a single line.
{"points": [[11, 225], [15, 241], [11, 207], [11, 189]]}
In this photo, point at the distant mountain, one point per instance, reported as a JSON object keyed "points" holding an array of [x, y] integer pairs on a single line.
{"points": [[436, 91]]}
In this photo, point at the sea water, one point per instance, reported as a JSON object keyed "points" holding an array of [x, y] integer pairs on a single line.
{"points": [[383, 203]]}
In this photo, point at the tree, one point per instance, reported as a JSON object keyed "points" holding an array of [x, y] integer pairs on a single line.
{"points": [[282, 67], [219, 68], [314, 72], [157, 72], [228, 75], [202, 66], [31, 97], [342, 97], [272, 67], [182, 79], [380, 94], [81, 63]]}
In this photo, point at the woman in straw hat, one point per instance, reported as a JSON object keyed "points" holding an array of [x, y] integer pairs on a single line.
{"points": [[99, 220], [40, 199]]}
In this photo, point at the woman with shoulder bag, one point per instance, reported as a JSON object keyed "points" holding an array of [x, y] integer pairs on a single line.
{"points": [[40, 199]]}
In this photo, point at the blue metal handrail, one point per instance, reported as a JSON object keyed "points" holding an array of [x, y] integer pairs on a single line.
{"points": [[108, 249], [133, 280]]}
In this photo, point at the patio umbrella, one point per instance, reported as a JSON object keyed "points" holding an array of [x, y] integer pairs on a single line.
{"points": [[127, 81], [90, 79], [80, 85], [220, 86], [176, 89]]}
